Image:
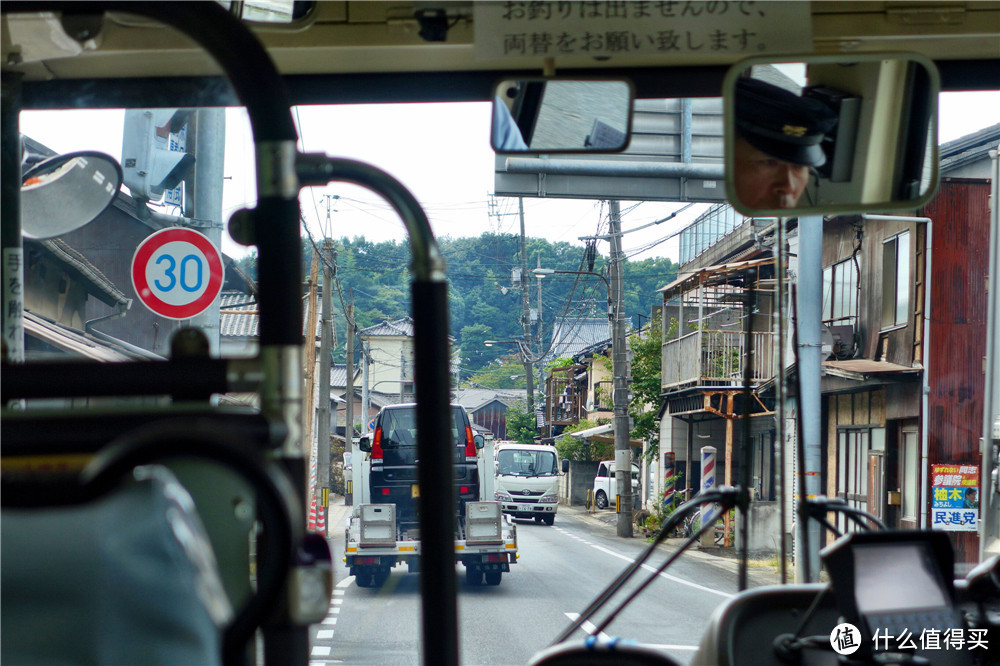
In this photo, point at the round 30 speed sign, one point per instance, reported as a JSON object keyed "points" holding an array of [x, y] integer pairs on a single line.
{"points": [[177, 273]]}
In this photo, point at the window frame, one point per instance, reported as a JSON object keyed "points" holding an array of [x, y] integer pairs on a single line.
{"points": [[895, 290]]}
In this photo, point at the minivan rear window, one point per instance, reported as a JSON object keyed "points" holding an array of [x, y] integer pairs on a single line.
{"points": [[399, 427]]}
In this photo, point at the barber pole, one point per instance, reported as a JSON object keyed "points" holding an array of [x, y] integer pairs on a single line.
{"points": [[708, 511], [669, 480]]}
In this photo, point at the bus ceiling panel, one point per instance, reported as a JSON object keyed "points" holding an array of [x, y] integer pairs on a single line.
{"points": [[360, 37], [649, 83]]}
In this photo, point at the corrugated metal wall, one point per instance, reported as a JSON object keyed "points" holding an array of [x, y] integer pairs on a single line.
{"points": [[960, 263]]}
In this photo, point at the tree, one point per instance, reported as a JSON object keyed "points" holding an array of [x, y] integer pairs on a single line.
{"points": [[573, 448], [521, 424], [646, 346], [506, 372]]}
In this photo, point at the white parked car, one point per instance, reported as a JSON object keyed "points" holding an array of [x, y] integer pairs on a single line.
{"points": [[605, 488]]}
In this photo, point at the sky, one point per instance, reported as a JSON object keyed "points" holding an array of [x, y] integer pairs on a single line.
{"points": [[441, 153]]}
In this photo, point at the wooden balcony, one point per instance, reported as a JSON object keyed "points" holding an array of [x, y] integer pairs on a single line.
{"points": [[715, 358]]}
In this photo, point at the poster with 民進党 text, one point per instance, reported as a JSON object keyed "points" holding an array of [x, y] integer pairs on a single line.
{"points": [[955, 497]]}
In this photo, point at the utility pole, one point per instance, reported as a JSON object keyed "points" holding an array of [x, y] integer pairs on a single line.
{"points": [[366, 396], [619, 365], [541, 345], [325, 349], [309, 377], [208, 136], [526, 315], [349, 407]]}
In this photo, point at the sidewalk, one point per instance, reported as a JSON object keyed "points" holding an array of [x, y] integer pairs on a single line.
{"points": [[759, 572]]}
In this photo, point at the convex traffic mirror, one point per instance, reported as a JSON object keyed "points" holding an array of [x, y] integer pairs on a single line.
{"points": [[830, 134], [65, 192]]}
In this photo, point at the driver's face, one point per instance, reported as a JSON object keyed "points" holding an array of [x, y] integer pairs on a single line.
{"points": [[765, 182]]}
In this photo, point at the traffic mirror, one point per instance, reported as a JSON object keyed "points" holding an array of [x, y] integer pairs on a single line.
{"points": [[65, 192]]}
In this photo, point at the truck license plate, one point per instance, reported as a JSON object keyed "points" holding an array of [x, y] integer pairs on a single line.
{"points": [[414, 490], [525, 507]]}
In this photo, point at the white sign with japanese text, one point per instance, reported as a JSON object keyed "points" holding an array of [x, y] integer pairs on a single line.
{"points": [[676, 31]]}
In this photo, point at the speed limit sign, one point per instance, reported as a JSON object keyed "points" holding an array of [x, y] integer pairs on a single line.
{"points": [[177, 273]]}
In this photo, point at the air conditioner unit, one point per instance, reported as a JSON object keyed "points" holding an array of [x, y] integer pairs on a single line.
{"points": [[843, 342]]}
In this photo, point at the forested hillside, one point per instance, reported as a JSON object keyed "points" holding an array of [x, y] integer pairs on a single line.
{"points": [[485, 297]]}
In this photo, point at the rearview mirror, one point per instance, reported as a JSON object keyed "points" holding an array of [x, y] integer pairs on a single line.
{"points": [[561, 116], [65, 192], [365, 443], [831, 134], [479, 441]]}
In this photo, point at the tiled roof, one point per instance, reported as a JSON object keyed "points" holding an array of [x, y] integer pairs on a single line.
{"points": [[475, 398], [238, 325], [969, 148], [338, 376], [232, 324], [397, 327], [572, 335]]}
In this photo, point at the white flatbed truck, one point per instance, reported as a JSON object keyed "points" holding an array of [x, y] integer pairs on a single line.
{"points": [[485, 539]]}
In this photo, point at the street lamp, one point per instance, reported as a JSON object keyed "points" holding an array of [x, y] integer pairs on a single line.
{"points": [[619, 365]]}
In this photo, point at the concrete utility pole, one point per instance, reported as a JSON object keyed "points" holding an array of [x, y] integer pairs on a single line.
{"points": [[325, 349], [619, 366], [809, 296], [309, 376], [526, 315], [539, 343], [209, 138], [349, 353]]}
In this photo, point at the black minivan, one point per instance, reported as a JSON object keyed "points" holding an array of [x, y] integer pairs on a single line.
{"points": [[393, 455]]}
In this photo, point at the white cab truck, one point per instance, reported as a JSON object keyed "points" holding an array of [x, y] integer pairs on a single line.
{"points": [[527, 481], [383, 528]]}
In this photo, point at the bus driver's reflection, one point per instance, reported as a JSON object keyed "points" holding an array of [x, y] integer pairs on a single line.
{"points": [[778, 137]]}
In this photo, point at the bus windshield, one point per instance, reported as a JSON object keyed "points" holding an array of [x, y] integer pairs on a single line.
{"points": [[510, 222]]}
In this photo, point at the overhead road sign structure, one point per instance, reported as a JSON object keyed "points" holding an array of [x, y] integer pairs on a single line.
{"points": [[177, 273]]}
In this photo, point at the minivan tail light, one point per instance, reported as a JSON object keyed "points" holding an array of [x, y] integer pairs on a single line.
{"points": [[470, 444], [377, 445]]}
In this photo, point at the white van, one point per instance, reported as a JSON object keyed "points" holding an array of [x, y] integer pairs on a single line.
{"points": [[605, 488], [527, 480]]}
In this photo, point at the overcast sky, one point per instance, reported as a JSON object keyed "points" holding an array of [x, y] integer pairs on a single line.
{"points": [[441, 152]]}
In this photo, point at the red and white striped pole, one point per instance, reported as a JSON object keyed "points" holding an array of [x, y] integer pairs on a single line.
{"points": [[708, 511]]}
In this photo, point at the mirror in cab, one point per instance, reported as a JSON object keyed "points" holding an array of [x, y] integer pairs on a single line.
{"points": [[830, 134], [63, 193], [561, 116]]}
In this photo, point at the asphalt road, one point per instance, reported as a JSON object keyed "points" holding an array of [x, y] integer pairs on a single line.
{"points": [[560, 571]]}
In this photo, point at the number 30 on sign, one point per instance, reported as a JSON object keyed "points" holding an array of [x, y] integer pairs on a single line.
{"points": [[177, 273]]}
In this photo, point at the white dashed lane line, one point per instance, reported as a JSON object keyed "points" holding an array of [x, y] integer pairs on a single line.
{"points": [[326, 633]]}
